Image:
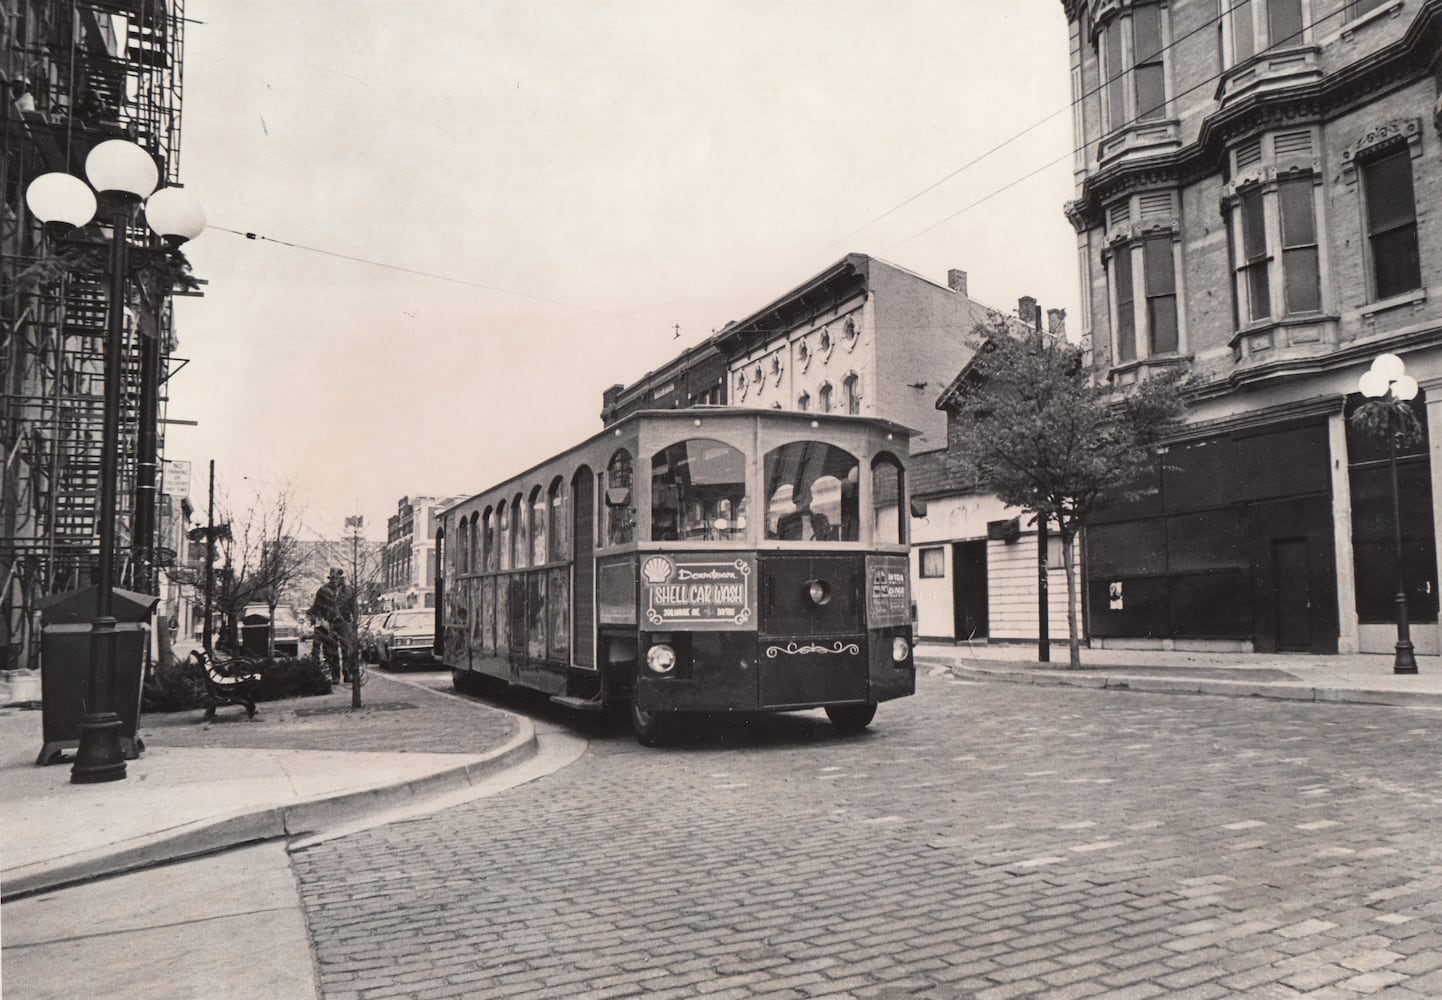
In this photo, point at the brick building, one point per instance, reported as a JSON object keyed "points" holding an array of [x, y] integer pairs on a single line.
{"points": [[863, 336], [1257, 188], [408, 561]]}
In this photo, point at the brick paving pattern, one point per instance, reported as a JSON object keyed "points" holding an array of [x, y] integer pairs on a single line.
{"points": [[985, 841], [393, 717]]}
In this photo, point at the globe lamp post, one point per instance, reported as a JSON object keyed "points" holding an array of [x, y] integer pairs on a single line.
{"points": [[1389, 386], [122, 175]]}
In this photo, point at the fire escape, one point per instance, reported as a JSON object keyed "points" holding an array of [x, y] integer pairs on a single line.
{"points": [[75, 73]]}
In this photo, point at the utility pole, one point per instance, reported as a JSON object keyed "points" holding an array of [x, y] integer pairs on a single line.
{"points": [[1043, 600], [352, 638], [209, 559]]}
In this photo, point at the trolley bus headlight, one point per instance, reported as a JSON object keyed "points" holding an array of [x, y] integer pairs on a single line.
{"points": [[900, 649], [818, 592], [661, 659]]}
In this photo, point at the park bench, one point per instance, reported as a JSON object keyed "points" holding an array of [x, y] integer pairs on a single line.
{"points": [[227, 682]]}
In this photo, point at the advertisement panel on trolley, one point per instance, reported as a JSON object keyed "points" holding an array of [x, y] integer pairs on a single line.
{"points": [[698, 591]]}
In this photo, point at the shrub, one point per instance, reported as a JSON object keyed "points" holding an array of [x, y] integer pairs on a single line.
{"points": [[173, 685], [176, 685], [291, 677]]}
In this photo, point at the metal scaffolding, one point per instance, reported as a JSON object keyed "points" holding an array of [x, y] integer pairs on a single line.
{"points": [[76, 73]]}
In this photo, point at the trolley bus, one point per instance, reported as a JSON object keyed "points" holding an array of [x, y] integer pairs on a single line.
{"points": [[714, 559]]}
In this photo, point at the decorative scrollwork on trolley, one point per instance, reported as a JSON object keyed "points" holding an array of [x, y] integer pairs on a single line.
{"points": [[796, 649]]}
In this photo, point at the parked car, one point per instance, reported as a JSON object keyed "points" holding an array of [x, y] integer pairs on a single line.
{"points": [[368, 631], [256, 621], [406, 637]]}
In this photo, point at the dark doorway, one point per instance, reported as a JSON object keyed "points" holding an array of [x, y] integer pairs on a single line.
{"points": [[969, 589], [1294, 595]]}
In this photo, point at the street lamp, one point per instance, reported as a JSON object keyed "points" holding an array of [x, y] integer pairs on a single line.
{"points": [[1389, 388], [123, 175]]}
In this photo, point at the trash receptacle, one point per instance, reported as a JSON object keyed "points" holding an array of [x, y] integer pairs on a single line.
{"points": [[65, 666], [255, 634]]}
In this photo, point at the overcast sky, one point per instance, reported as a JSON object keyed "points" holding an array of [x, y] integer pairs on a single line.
{"points": [[475, 216]]}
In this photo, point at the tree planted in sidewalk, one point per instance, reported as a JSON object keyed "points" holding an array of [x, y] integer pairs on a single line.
{"points": [[1030, 424]]}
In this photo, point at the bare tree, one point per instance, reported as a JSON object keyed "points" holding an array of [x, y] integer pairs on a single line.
{"points": [[259, 559]]}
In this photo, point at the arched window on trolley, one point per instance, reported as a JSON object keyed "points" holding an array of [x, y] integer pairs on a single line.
{"points": [[558, 547]]}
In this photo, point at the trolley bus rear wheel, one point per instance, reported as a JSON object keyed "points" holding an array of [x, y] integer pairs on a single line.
{"points": [[851, 718], [650, 727]]}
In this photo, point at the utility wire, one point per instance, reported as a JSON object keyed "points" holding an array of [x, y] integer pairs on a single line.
{"points": [[1086, 94], [411, 270], [1077, 149], [1011, 139]]}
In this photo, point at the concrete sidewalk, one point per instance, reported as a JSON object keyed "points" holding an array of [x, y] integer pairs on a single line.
{"points": [[1355, 678], [300, 766]]}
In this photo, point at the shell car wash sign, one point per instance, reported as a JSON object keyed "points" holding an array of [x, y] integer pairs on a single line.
{"points": [[698, 591]]}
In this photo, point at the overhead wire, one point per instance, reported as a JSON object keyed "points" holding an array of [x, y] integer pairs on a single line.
{"points": [[1085, 95], [1081, 147]]}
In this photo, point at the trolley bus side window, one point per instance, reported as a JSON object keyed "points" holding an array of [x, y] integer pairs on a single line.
{"points": [[812, 493], [556, 536], [620, 500], [698, 492], [887, 480]]}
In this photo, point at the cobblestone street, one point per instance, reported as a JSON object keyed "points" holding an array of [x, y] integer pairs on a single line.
{"points": [[981, 840]]}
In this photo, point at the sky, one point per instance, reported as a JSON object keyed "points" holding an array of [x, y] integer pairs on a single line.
{"points": [[473, 217]]}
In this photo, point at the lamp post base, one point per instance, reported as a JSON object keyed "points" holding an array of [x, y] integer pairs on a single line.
{"points": [[100, 756], [1404, 662]]}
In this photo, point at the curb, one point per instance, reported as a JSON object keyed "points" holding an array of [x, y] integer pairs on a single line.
{"points": [[1193, 685], [292, 820]]}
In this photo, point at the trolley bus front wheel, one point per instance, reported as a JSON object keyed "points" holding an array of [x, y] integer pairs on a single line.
{"points": [[851, 718], [651, 728]]}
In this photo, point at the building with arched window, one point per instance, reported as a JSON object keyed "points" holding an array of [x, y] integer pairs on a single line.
{"points": [[408, 564], [1256, 186]]}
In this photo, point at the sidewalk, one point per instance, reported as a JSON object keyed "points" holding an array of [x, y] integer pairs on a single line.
{"points": [[1355, 678], [300, 766]]}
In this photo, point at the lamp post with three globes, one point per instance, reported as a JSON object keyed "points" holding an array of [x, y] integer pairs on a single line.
{"points": [[122, 175], [1390, 389]]}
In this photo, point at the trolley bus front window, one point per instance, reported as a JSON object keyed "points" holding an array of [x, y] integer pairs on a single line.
{"points": [[812, 493], [698, 492]]}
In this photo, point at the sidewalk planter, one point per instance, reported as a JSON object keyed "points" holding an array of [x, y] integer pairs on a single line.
{"points": [[65, 666]]}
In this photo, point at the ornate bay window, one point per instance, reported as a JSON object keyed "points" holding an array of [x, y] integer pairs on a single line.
{"points": [[1273, 210], [1131, 39], [1143, 263], [1265, 43]]}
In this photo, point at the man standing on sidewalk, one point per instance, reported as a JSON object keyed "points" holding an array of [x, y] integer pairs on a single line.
{"points": [[331, 615]]}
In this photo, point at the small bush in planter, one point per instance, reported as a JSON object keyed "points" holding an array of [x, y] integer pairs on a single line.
{"points": [[176, 684], [173, 685], [291, 677]]}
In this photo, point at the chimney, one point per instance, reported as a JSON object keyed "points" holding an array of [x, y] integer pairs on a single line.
{"points": [[956, 281], [1056, 322], [1026, 310]]}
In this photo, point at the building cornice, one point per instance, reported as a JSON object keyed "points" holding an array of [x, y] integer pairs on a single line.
{"points": [[1410, 58]]}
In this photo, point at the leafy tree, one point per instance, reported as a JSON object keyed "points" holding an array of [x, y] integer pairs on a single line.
{"points": [[1031, 424]]}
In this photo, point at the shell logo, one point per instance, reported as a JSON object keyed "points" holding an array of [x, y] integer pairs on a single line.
{"points": [[657, 570]]}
